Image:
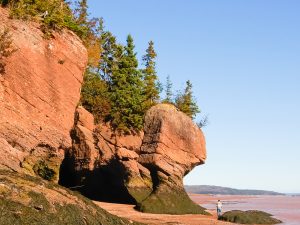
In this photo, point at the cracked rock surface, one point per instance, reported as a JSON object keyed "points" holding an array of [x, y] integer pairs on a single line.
{"points": [[38, 95], [145, 169]]}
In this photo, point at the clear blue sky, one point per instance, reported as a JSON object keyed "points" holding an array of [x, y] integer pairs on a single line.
{"points": [[243, 58]]}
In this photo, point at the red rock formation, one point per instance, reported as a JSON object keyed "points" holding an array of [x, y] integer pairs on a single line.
{"points": [[106, 161], [39, 92], [82, 134], [172, 146], [146, 169], [172, 142]]}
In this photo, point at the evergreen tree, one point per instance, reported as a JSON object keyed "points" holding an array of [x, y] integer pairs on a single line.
{"points": [[95, 96], [126, 92], [185, 101], [169, 92], [81, 12], [151, 85], [85, 28], [111, 52]]}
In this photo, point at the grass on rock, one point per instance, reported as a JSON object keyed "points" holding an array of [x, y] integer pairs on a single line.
{"points": [[175, 202], [28, 200], [249, 217]]}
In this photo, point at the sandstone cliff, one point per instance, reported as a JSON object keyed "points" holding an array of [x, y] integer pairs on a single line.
{"points": [[145, 169], [39, 134], [39, 92], [38, 96]]}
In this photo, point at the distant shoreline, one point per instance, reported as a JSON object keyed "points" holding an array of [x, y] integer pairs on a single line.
{"points": [[218, 190]]}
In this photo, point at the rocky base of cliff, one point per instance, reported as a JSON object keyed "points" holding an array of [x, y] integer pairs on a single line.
{"points": [[29, 200], [168, 200]]}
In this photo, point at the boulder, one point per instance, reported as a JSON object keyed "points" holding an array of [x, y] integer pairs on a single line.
{"points": [[39, 93], [172, 146]]}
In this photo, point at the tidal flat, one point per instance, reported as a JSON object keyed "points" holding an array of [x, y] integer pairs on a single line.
{"points": [[285, 208]]}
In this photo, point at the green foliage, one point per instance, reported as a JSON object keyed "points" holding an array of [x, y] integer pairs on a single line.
{"points": [[169, 92], [113, 88], [41, 169], [126, 92], [85, 28], [81, 12], [94, 96], [151, 85], [111, 54], [249, 217], [23, 201], [170, 202], [6, 48], [51, 14], [185, 102]]}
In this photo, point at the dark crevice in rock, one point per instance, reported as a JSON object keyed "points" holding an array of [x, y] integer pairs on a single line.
{"points": [[105, 183], [154, 177]]}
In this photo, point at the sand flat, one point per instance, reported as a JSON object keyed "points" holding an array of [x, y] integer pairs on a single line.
{"points": [[128, 211], [285, 208]]}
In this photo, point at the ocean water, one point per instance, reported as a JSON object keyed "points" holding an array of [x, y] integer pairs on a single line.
{"points": [[285, 208]]}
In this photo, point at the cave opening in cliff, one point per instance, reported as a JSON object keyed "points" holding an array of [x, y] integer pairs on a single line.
{"points": [[105, 183]]}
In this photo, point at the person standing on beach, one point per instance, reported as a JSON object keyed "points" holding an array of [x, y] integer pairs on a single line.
{"points": [[219, 208]]}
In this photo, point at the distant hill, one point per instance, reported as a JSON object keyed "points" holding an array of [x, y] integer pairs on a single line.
{"points": [[208, 189]]}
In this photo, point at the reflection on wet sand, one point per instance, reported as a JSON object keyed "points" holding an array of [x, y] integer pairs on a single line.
{"points": [[285, 208]]}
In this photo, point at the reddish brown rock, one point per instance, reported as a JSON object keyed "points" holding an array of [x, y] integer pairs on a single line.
{"points": [[105, 163], [84, 119], [10, 157], [40, 90], [172, 146], [125, 154], [172, 143], [83, 149], [146, 169]]}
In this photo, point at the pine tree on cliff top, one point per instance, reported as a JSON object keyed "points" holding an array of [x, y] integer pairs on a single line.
{"points": [[151, 86], [169, 93], [127, 92], [185, 101], [111, 53], [81, 12]]}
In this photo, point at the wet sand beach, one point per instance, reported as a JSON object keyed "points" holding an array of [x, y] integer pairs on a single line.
{"points": [[285, 208], [128, 211]]}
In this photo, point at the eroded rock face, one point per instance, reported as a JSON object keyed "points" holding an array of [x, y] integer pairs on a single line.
{"points": [[38, 95], [104, 163], [146, 169], [172, 146]]}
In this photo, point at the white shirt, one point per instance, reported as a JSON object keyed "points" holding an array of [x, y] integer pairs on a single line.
{"points": [[219, 205]]}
